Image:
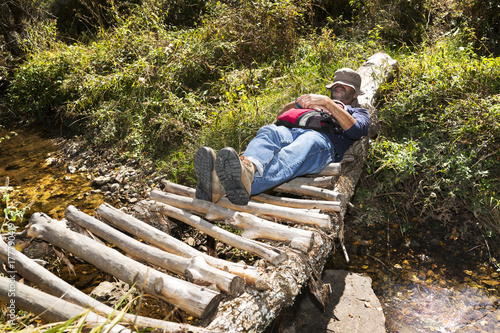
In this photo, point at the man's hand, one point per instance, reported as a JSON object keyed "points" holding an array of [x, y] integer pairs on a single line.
{"points": [[322, 102], [313, 101]]}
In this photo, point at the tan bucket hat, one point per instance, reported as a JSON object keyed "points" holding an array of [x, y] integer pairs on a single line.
{"points": [[347, 77]]}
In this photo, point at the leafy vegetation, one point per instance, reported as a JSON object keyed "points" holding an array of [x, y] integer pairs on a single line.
{"points": [[439, 142], [156, 79]]}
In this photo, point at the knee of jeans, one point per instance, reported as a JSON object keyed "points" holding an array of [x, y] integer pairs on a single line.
{"points": [[275, 133]]}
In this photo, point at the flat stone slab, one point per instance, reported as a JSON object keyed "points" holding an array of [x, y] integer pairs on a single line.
{"points": [[487, 324], [351, 307]]}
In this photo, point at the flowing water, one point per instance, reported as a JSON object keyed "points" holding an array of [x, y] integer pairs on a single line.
{"points": [[427, 281], [33, 183]]}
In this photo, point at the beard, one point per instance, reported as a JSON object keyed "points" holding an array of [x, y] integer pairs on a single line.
{"points": [[343, 95]]}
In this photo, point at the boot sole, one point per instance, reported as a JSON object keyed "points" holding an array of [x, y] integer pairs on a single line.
{"points": [[228, 168], [203, 168]]}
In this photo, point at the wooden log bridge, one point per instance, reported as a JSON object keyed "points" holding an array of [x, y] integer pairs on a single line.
{"points": [[291, 229]]}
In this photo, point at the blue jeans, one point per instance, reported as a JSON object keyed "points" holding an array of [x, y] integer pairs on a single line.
{"points": [[282, 153]]}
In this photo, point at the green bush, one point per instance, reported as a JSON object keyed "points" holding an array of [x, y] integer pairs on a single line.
{"points": [[482, 16], [441, 131]]}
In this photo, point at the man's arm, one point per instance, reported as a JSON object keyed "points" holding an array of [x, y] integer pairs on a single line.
{"points": [[287, 107], [314, 101]]}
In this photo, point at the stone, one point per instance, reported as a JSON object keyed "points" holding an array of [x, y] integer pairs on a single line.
{"points": [[351, 307], [112, 293], [489, 323], [51, 161], [114, 187], [100, 181]]}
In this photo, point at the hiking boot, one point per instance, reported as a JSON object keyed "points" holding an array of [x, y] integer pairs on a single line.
{"points": [[236, 175], [208, 188]]}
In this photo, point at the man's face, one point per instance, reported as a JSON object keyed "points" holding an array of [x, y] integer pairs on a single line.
{"points": [[343, 93]]}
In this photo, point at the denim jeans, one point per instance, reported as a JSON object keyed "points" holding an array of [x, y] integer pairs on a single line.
{"points": [[282, 153]]}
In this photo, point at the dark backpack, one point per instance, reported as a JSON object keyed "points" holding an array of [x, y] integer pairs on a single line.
{"points": [[310, 119]]}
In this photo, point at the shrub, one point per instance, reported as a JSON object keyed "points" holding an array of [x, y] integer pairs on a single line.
{"points": [[482, 16], [253, 31], [445, 103]]}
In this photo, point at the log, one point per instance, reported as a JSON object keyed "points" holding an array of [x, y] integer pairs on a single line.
{"points": [[253, 227], [327, 206], [168, 243], [332, 169], [195, 269], [321, 181], [254, 312], [51, 308], [230, 216], [286, 214], [178, 189], [321, 205], [264, 251], [198, 301], [311, 191], [56, 286]]}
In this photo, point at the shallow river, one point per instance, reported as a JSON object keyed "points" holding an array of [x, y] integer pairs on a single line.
{"points": [[33, 183], [427, 281]]}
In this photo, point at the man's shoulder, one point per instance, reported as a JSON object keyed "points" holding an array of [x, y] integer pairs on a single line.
{"points": [[357, 109]]}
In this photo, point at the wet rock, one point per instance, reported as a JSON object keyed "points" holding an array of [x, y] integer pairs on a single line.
{"points": [[434, 242], [115, 187], [351, 307], [489, 323], [51, 161], [100, 181], [37, 249], [425, 258]]}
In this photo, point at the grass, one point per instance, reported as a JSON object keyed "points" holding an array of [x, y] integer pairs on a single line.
{"points": [[152, 91], [28, 323], [156, 91]]}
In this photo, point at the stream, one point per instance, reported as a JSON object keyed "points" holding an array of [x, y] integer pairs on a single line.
{"points": [[426, 280]]}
